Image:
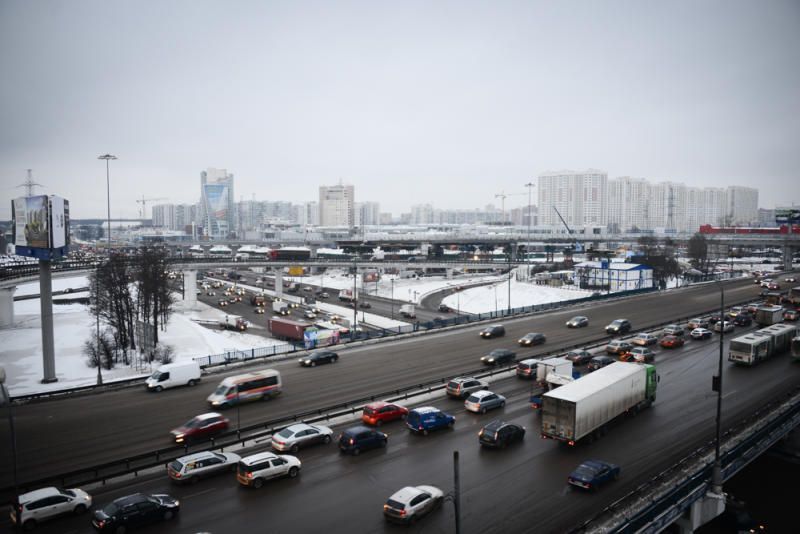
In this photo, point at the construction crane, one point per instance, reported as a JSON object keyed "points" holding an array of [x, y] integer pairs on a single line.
{"points": [[576, 247], [502, 196], [143, 201]]}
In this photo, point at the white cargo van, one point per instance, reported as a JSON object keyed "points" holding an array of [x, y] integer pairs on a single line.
{"points": [[407, 310], [174, 374]]}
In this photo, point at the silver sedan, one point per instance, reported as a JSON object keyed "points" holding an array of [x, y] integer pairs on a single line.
{"points": [[293, 437]]}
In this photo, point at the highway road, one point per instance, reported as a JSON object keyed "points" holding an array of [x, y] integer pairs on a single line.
{"points": [[522, 483], [519, 489]]}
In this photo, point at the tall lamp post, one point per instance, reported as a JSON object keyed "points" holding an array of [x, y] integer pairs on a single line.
{"points": [[529, 185], [108, 157], [7, 401], [391, 280], [716, 385]]}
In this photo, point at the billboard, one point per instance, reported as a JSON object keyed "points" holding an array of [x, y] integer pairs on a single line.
{"points": [[787, 215], [370, 276], [41, 226]]}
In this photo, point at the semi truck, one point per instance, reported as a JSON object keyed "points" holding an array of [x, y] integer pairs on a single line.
{"points": [[769, 315], [796, 348], [280, 307], [582, 409], [283, 328], [233, 322], [559, 366], [347, 295], [754, 347], [258, 300]]}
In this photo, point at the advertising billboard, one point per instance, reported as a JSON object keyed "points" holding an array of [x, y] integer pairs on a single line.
{"points": [[787, 215], [370, 276], [41, 226]]}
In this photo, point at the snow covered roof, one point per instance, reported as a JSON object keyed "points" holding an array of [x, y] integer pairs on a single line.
{"points": [[619, 266]]}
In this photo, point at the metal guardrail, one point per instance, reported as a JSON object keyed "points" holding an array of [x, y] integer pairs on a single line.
{"points": [[693, 487]]}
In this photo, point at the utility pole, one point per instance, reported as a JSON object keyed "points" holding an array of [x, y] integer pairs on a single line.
{"points": [[29, 184], [530, 185], [456, 492], [108, 157]]}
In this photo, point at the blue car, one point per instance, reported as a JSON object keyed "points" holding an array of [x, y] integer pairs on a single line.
{"points": [[427, 418], [593, 473]]}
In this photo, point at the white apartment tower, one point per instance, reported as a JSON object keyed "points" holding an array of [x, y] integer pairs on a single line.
{"points": [[580, 197], [628, 203], [742, 206], [337, 205]]}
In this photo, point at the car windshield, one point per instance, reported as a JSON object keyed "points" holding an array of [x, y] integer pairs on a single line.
{"points": [[155, 376], [369, 410], [110, 509], [585, 471], [286, 433], [176, 465], [617, 322], [452, 385], [473, 398], [221, 390]]}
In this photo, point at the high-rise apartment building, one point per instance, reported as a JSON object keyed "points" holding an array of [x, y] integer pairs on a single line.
{"points": [[742, 206], [217, 207], [422, 214], [580, 198], [628, 203], [337, 205], [367, 213]]}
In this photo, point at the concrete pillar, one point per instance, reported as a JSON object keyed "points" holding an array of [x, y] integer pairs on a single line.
{"points": [[279, 281], [190, 288], [46, 301], [788, 252], [448, 274], [701, 512], [7, 305]]}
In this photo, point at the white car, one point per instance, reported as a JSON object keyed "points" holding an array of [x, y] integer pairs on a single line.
{"points": [[726, 327], [193, 467], [37, 506], [701, 333], [293, 437], [412, 502], [256, 469]]}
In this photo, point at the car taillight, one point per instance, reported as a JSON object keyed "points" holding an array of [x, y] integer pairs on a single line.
{"points": [[352, 441], [249, 475], [420, 427]]}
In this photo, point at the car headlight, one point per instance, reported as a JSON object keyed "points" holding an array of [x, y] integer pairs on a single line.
{"points": [[490, 360]]}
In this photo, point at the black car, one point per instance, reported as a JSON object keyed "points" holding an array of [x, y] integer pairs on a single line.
{"points": [[599, 362], [499, 434], [743, 319], [444, 308], [323, 356], [135, 510], [618, 326], [364, 304], [499, 357], [532, 338], [579, 357], [361, 438], [495, 330]]}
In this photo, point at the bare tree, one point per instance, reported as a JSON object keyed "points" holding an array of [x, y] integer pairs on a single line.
{"points": [[111, 299], [698, 252], [154, 299], [101, 350]]}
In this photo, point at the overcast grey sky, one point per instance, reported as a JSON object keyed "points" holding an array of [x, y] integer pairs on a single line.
{"points": [[412, 102]]}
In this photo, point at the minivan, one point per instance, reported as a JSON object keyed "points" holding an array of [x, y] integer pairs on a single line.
{"points": [[427, 418], [169, 375], [361, 438], [242, 388]]}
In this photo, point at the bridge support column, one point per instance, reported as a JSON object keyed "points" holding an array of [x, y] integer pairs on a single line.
{"points": [[788, 252], [701, 512], [7, 306], [190, 288], [46, 310], [448, 274], [279, 281]]}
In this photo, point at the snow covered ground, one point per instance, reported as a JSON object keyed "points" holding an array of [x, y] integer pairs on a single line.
{"points": [[20, 345]]}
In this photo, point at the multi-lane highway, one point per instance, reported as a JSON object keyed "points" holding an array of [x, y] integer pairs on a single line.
{"points": [[519, 489]]}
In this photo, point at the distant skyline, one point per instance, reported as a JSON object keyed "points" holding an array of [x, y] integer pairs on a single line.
{"points": [[447, 103]]}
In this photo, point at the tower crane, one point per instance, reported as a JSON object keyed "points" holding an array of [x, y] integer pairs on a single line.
{"points": [[143, 201]]}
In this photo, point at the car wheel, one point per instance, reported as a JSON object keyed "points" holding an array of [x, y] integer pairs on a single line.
{"points": [[168, 515], [483, 410], [295, 448], [192, 383], [120, 530], [293, 471], [356, 451], [425, 432], [326, 440], [258, 483], [80, 509], [30, 524], [158, 389], [503, 404], [313, 364], [334, 359], [378, 422]]}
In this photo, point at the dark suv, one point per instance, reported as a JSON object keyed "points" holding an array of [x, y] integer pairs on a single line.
{"points": [[618, 326], [133, 511], [500, 434], [361, 438], [498, 357], [495, 330]]}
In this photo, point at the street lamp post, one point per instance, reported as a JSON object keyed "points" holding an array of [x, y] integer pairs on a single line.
{"points": [[716, 385], [391, 280], [108, 157], [529, 185]]}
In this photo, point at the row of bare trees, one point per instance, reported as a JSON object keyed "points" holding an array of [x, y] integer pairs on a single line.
{"points": [[125, 290]]}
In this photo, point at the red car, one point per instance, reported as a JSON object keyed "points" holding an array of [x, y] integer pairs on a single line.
{"points": [[377, 413], [201, 427], [671, 342], [791, 315]]}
